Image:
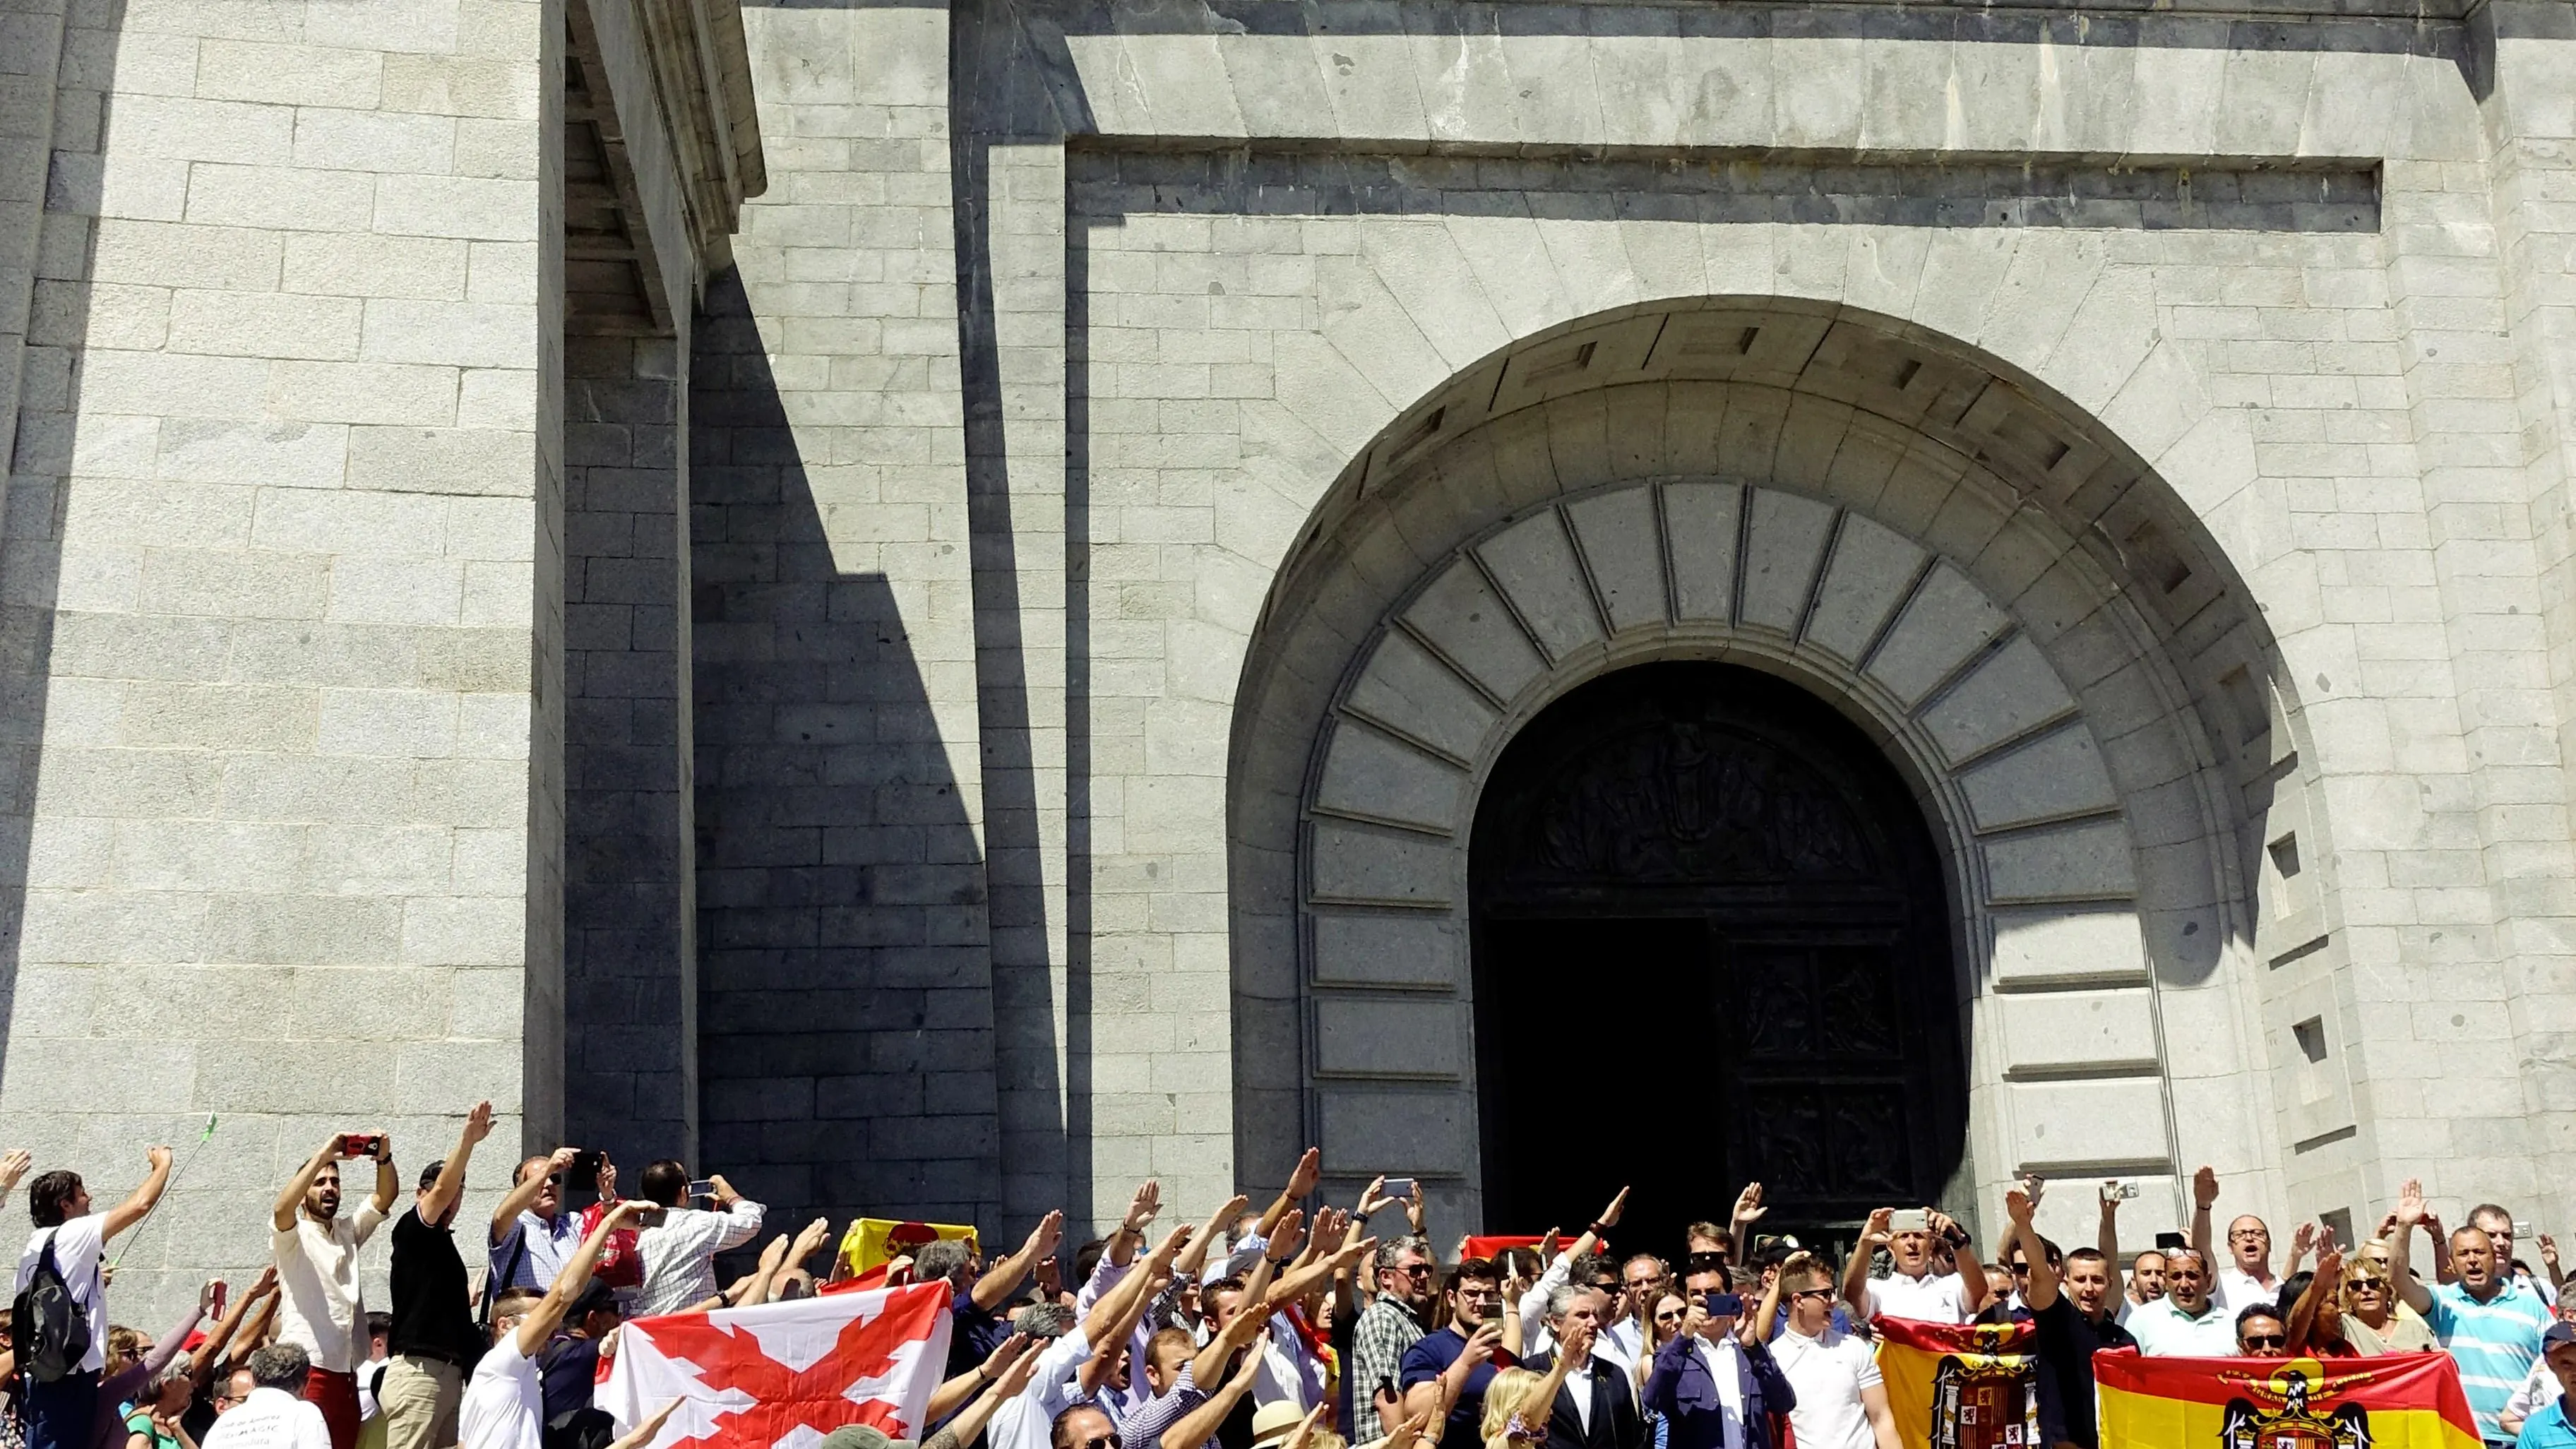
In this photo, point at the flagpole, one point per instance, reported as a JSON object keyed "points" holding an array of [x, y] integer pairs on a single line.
{"points": [[133, 1237]]}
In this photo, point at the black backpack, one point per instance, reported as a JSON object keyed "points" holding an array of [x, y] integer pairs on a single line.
{"points": [[47, 1329]]}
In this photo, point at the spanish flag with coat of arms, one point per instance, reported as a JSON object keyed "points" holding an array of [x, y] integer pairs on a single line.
{"points": [[2397, 1401], [1960, 1385]]}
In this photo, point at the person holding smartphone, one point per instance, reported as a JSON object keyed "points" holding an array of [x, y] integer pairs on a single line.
{"points": [[679, 1250], [320, 1308], [1913, 1290]]}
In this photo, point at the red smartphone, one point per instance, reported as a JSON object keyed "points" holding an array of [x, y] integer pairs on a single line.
{"points": [[222, 1291], [360, 1144]]}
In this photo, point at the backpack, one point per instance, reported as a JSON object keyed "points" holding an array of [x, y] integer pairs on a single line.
{"points": [[47, 1329]]}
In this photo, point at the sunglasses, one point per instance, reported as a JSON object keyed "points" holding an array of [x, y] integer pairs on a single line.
{"points": [[1826, 1293], [2265, 1340], [1415, 1270], [1104, 1441]]}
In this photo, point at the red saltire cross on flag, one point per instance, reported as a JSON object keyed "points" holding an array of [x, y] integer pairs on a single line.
{"points": [[782, 1375]]}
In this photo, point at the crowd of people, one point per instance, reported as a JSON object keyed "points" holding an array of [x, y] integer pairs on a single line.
{"points": [[1249, 1330]]}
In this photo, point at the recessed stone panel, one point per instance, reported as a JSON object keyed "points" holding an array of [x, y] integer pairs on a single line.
{"points": [[2086, 861], [1466, 620], [1534, 562], [1872, 567], [1784, 543], [1405, 686], [2074, 1128], [1388, 949], [1359, 863], [1397, 1129], [1947, 620], [1699, 525], [1379, 776], [1378, 1036], [2059, 774], [2010, 691], [1625, 551], [2063, 1031], [2042, 943]]}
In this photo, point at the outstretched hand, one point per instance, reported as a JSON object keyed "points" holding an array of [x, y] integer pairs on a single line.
{"points": [[1618, 1205], [1309, 1171], [1748, 1204], [2204, 1188], [2411, 1211]]}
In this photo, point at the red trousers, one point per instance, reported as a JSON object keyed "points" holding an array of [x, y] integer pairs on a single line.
{"points": [[337, 1396]]}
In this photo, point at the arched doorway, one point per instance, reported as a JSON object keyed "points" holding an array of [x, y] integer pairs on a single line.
{"points": [[1709, 946]]}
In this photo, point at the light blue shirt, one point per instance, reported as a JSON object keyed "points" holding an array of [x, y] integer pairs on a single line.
{"points": [[2548, 1429], [2493, 1342]]}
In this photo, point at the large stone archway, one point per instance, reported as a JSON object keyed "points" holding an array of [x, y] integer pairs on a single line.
{"points": [[2025, 617]]}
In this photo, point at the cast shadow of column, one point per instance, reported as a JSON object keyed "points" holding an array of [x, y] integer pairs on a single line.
{"points": [[846, 1048]]}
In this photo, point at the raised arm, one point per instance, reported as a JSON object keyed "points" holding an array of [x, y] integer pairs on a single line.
{"points": [[1973, 1285], [1748, 1211], [1209, 1366], [281, 1214], [451, 1173], [1873, 1236], [1002, 1279], [2106, 1237], [1010, 1379], [956, 1393], [2401, 1246], [2204, 1196], [1316, 1271], [1114, 1317], [139, 1202], [2043, 1279], [1142, 1209], [201, 1367], [388, 1181], [1301, 1181], [548, 1314], [1576, 1343], [1193, 1258], [1754, 1329], [1199, 1425], [523, 1195], [2314, 1318]]}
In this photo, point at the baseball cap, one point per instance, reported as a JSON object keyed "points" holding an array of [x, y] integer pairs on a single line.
{"points": [[2557, 1333]]}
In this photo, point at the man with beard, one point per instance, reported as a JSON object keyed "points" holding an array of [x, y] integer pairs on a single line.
{"points": [[1457, 1363], [2186, 1322], [316, 1249], [2072, 1308]]}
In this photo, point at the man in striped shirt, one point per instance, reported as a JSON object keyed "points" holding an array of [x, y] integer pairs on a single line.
{"points": [[2490, 1326]]}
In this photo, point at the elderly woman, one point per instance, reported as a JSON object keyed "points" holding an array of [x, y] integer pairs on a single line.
{"points": [[154, 1423], [2374, 1321]]}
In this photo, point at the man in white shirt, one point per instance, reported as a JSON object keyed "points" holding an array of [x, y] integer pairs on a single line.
{"points": [[319, 1307], [2242, 1276], [504, 1405], [2186, 1322], [1914, 1290], [679, 1251], [1842, 1401], [61, 1414], [274, 1415]]}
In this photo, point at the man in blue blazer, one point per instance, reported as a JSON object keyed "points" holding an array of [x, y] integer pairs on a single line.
{"points": [[1718, 1388]]}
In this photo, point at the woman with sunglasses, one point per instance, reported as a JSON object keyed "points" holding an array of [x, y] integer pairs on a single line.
{"points": [[2373, 1321]]}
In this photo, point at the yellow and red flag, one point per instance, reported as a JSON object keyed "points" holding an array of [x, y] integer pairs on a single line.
{"points": [[872, 1242], [2397, 1401], [1960, 1385]]}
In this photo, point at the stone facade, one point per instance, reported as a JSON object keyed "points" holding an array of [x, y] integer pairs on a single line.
{"points": [[912, 602]]}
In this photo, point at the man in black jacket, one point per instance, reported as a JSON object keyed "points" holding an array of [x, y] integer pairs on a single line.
{"points": [[1596, 1408]]}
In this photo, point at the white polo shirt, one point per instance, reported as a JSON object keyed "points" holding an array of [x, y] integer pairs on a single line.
{"points": [[2165, 1331]]}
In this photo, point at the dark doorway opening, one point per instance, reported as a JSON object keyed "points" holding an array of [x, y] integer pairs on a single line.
{"points": [[1711, 947]]}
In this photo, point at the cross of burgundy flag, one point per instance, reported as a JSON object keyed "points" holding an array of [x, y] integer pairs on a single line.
{"points": [[782, 1375]]}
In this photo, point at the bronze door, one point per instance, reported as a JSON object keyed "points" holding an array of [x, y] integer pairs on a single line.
{"points": [[1710, 948]]}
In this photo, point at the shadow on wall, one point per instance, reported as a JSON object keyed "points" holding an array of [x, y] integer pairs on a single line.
{"points": [[846, 1050]]}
